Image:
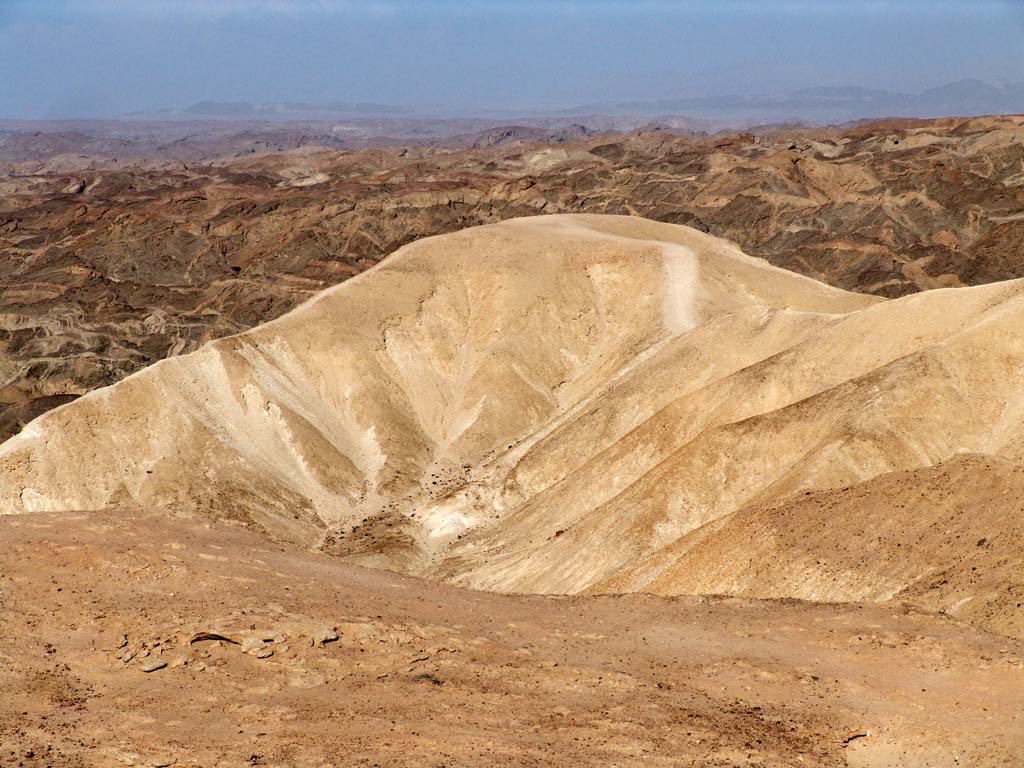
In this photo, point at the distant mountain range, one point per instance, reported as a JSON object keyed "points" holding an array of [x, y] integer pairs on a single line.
{"points": [[831, 104], [243, 110], [808, 105]]}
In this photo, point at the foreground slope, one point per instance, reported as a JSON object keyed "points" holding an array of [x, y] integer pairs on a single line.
{"points": [[542, 404], [425, 674]]}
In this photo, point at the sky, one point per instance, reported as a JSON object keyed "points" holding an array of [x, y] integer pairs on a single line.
{"points": [[97, 58]]}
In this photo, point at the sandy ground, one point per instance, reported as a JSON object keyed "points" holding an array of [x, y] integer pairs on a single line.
{"points": [[328, 664]]}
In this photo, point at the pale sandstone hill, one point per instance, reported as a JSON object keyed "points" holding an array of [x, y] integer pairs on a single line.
{"points": [[899, 385], [441, 358], [542, 404]]}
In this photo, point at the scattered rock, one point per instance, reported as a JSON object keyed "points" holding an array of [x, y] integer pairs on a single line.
{"points": [[429, 678], [153, 666]]}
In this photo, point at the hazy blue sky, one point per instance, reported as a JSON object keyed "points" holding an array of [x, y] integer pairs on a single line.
{"points": [[98, 57]]}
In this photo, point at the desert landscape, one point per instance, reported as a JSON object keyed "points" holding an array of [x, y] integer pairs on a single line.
{"points": [[375, 410], [592, 405]]}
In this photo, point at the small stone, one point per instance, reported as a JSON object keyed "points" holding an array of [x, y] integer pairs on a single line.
{"points": [[128, 656], [325, 636], [278, 639], [251, 644], [178, 661], [153, 666], [264, 653], [200, 666]]}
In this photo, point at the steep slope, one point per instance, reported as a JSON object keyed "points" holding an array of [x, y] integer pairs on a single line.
{"points": [[541, 404], [903, 384], [946, 538]]}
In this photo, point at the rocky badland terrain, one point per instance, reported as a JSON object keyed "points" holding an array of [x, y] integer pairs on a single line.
{"points": [[118, 251], [604, 416]]}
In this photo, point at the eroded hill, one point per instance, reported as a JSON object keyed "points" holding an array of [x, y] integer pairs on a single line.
{"points": [[567, 403], [945, 537]]}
